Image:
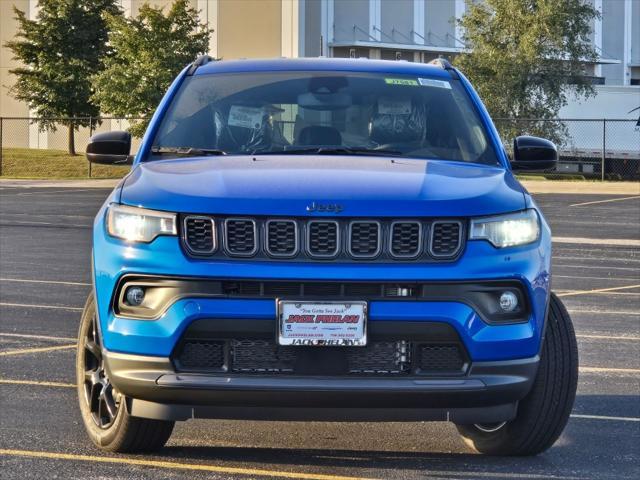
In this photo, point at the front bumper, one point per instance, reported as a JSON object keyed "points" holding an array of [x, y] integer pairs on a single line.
{"points": [[488, 393]]}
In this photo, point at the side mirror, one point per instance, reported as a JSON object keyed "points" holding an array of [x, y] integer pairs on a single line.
{"points": [[110, 148], [533, 153]]}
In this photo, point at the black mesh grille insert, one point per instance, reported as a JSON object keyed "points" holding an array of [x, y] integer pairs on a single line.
{"points": [[445, 239], [364, 239], [240, 236], [198, 234], [264, 355], [405, 239], [323, 239], [381, 357], [282, 237], [441, 358], [202, 355]]}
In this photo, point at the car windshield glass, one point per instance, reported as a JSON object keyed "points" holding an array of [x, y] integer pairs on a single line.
{"points": [[329, 113]]}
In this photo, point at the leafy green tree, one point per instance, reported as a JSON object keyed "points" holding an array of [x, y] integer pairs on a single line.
{"points": [[59, 51], [526, 56], [148, 51]]}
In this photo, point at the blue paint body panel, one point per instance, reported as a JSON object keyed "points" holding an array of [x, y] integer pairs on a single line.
{"points": [[365, 186]]}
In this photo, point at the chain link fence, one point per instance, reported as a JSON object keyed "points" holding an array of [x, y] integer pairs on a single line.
{"points": [[39, 148], [590, 149]]}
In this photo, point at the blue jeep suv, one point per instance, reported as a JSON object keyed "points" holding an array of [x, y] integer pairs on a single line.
{"points": [[339, 240]]}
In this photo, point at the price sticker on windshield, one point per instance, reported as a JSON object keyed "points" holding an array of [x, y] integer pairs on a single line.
{"points": [[245, 117]]}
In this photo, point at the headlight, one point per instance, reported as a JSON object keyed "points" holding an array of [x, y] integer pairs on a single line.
{"points": [[139, 224], [507, 230]]}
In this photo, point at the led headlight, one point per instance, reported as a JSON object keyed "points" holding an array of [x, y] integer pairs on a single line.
{"points": [[139, 224], [507, 230]]}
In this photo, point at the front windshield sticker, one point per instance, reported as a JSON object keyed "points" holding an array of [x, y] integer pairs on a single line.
{"points": [[394, 106], [430, 82], [401, 81], [245, 117]]}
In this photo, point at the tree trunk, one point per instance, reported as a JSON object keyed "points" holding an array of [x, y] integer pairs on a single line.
{"points": [[72, 141]]}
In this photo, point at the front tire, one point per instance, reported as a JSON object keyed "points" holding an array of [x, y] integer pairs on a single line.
{"points": [[544, 412], [103, 408]]}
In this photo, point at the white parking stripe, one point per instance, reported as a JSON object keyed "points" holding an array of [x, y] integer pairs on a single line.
{"points": [[630, 371], [604, 312], [37, 337], [604, 337], [53, 307], [627, 242], [605, 417], [52, 282], [597, 290], [596, 267], [604, 201]]}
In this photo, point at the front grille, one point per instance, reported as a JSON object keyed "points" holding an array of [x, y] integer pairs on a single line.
{"points": [[265, 356], [199, 235], [323, 239], [446, 239], [203, 355], [406, 239], [282, 238], [364, 239], [240, 237], [304, 239], [441, 358]]}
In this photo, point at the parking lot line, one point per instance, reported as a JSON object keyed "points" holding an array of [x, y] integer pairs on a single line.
{"points": [[29, 305], [627, 242], [608, 337], [175, 465], [37, 337], [604, 312], [6, 381], [595, 267], [605, 417], [630, 371], [25, 351], [597, 290], [604, 201], [52, 282]]}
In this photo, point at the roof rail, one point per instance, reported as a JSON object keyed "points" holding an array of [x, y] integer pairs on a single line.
{"points": [[198, 62]]}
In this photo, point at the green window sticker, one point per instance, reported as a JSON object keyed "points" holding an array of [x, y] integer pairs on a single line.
{"points": [[401, 81]]}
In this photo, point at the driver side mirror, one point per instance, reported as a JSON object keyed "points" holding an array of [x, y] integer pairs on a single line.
{"points": [[110, 148], [533, 153]]}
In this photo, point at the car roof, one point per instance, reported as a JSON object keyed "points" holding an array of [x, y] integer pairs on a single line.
{"points": [[323, 64]]}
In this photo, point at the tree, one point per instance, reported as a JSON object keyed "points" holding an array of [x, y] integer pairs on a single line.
{"points": [[525, 56], [59, 52], [148, 51]]}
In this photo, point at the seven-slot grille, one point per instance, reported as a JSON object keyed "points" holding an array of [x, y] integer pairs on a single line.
{"points": [[199, 235], [321, 239], [282, 238], [445, 238], [364, 239], [406, 239], [240, 236]]}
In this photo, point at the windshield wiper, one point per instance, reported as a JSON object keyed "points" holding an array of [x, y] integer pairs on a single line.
{"points": [[187, 151], [331, 151]]}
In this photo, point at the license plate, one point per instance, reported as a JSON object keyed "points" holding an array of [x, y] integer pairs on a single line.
{"points": [[325, 324]]}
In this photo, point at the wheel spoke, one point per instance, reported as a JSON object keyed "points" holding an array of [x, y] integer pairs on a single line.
{"points": [[94, 349]]}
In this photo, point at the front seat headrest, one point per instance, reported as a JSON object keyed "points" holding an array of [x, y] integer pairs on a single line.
{"points": [[388, 126]]}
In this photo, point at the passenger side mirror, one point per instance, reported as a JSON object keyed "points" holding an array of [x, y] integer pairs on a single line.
{"points": [[110, 148], [533, 153]]}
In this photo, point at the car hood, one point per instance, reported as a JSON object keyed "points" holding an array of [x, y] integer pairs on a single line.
{"points": [[287, 185]]}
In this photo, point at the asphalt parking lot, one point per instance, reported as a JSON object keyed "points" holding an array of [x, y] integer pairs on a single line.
{"points": [[44, 280]]}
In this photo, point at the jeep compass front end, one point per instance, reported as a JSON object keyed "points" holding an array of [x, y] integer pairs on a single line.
{"points": [[338, 240]]}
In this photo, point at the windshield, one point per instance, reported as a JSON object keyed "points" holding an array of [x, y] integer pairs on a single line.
{"points": [[347, 113]]}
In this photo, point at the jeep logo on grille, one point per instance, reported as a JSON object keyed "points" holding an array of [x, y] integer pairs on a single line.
{"points": [[325, 207]]}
